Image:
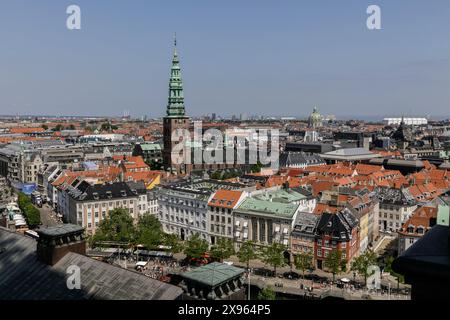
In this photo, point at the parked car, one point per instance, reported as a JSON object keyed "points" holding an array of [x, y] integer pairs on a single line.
{"points": [[291, 275]]}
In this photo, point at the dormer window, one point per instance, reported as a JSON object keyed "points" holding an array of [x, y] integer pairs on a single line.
{"points": [[123, 193], [95, 195]]}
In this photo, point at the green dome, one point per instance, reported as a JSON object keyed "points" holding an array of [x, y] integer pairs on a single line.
{"points": [[315, 119]]}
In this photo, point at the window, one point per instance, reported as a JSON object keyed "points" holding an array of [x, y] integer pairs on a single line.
{"points": [[262, 230], [319, 252]]}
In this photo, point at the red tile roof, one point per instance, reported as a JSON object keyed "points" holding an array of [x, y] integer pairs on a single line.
{"points": [[225, 198]]}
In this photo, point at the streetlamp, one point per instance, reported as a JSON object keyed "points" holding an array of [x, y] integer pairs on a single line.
{"points": [[248, 284], [389, 292]]}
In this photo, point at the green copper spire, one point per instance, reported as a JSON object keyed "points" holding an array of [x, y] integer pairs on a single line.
{"points": [[175, 108]]}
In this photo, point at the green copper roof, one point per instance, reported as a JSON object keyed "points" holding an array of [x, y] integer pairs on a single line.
{"points": [[175, 107], [283, 210], [213, 274], [151, 147], [282, 196]]}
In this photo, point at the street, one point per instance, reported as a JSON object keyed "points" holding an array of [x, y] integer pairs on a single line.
{"points": [[48, 216]]}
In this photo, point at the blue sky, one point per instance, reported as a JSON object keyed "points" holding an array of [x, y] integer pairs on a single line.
{"points": [[253, 56]]}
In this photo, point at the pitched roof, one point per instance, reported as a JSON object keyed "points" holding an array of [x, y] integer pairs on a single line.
{"points": [[257, 206], [421, 217], [23, 277], [213, 274], [225, 198], [366, 169], [339, 225]]}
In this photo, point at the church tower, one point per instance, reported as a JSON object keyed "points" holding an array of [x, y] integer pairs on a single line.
{"points": [[175, 117]]}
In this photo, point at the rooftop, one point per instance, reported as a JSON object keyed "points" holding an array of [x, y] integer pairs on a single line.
{"points": [[213, 274], [24, 277], [350, 153], [284, 210], [428, 257], [60, 230], [225, 198], [282, 196]]}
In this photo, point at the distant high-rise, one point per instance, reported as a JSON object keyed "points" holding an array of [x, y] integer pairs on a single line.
{"points": [[175, 117]]}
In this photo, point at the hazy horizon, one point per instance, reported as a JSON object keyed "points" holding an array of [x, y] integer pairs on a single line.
{"points": [[253, 57]]}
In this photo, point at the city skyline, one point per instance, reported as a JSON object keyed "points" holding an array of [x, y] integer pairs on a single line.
{"points": [[284, 60]]}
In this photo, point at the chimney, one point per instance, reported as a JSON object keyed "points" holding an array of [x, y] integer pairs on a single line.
{"points": [[55, 242]]}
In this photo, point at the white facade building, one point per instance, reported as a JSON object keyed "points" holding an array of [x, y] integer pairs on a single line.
{"points": [[407, 121]]}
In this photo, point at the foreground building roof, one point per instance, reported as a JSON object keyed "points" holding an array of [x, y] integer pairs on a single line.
{"points": [[213, 274], [24, 277]]}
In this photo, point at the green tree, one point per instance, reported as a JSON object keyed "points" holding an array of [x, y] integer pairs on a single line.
{"points": [[388, 268], [58, 127], [267, 294], [70, 127], [117, 226], [274, 255], [195, 247], [256, 168], [149, 231], [174, 242], [106, 126], [155, 165], [304, 261], [247, 252], [33, 215], [23, 200], [334, 263], [216, 175], [361, 264], [44, 126], [223, 249]]}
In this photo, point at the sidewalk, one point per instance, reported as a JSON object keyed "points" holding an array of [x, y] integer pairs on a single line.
{"points": [[258, 264]]}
